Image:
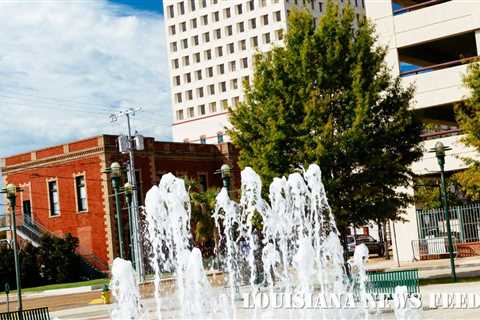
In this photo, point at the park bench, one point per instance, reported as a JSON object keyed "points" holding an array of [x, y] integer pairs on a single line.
{"points": [[30, 314], [385, 282]]}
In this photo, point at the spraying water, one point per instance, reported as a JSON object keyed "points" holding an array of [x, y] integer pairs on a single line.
{"points": [[289, 244]]}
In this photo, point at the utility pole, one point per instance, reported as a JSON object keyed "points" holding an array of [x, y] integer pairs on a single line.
{"points": [[133, 144]]}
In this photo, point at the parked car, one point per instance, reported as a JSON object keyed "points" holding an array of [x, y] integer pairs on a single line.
{"points": [[374, 246]]}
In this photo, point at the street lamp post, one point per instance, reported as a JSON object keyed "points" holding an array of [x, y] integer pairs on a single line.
{"points": [[128, 189], [116, 172], [11, 191], [225, 171], [440, 154]]}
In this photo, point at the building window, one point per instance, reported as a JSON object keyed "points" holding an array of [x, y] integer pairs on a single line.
{"points": [[178, 97], [279, 34], [320, 6], [217, 33], [219, 51], [216, 16], [212, 107], [208, 54], [251, 5], [202, 181], [188, 77], [204, 3], [172, 30], [230, 48], [189, 95], [53, 198], [27, 211], [254, 41], [228, 30], [253, 23], [223, 86], [210, 72], [226, 13], [211, 89], [201, 110], [198, 74], [244, 62], [170, 11], [220, 137], [266, 38], [240, 27], [192, 5], [181, 8], [265, 19], [191, 112], [176, 80], [193, 23], [232, 66], [186, 60], [238, 8], [195, 40], [183, 26], [221, 69], [203, 139], [196, 57], [206, 37], [235, 101], [234, 84], [180, 114], [242, 44], [200, 92], [173, 46], [224, 104], [175, 64], [81, 191], [205, 20], [278, 15]]}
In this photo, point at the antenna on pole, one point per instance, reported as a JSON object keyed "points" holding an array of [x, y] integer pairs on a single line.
{"points": [[128, 144]]}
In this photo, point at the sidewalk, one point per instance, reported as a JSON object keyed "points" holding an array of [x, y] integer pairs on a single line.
{"points": [[429, 269]]}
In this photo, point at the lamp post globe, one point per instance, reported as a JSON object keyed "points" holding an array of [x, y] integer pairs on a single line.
{"points": [[116, 169], [225, 170], [128, 188], [11, 190]]}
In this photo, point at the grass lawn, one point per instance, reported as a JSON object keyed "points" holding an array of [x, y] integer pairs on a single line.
{"points": [[65, 285], [426, 282]]}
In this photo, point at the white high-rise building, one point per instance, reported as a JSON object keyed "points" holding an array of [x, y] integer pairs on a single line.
{"points": [[430, 44], [211, 45]]}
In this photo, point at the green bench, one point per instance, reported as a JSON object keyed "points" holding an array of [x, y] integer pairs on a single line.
{"points": [[30, 314], [385, 282]]}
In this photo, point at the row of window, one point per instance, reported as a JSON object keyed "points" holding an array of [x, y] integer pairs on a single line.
{"points": [[221, 51], [201, 110], [240, 26], [220, 69], [200, 92], [192, 5], [203, 138], [80, 191], [217, 34]]}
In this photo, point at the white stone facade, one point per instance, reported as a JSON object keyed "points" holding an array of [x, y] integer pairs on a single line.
{"points": [[211, 45]]}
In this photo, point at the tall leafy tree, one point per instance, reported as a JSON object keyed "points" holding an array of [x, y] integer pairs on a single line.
{"points": [[468, 117], [327, 97]]}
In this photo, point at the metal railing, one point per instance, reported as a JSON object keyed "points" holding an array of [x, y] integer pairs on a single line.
{"points": [[439, 66], [30, 314], [432, 248], [464, 221], [418, 6]]}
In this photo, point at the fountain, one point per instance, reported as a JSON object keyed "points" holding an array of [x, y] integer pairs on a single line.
{"points": [[294, 252]]}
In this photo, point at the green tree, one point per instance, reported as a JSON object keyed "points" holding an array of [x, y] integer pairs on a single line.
{"points": [[327, 97], [468, 117]]}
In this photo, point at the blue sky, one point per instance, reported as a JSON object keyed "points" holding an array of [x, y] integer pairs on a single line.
{"points": [[66, 65], [155, 6]]}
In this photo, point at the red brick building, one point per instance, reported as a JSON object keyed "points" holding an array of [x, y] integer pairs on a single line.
{"points": [[66, 191]]}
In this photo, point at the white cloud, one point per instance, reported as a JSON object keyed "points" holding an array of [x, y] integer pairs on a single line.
{"points": [[65, 65]]}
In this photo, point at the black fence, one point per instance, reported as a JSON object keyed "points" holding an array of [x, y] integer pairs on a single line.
{"points": [[31, 314]]}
